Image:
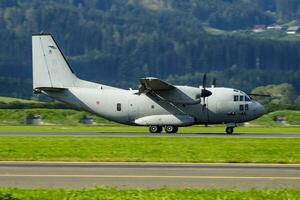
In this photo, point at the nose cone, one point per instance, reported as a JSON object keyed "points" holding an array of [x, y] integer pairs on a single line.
{"points": [[260, 110]]}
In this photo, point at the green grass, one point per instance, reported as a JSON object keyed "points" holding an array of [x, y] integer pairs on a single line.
{"points": [[10, 99], [166, 194], [148, 149], [131, 129]]}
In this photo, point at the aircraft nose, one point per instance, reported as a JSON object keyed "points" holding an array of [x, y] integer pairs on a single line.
{"points": [[260, 109]]}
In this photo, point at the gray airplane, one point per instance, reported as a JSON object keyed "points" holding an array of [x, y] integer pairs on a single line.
{"points": [[155, 104]]}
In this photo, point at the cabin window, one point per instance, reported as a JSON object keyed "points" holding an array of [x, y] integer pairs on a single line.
{"points": [[236, 98], [119, 107], [241, 107], [246, 107], [241, 98], [152, 106], [247, 98]]}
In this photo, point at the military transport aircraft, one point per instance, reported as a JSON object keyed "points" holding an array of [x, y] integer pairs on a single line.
{"points": [[155, 104]]}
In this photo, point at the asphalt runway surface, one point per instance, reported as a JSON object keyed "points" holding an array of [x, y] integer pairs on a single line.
{"points": [[203, 135], [148, 175]]}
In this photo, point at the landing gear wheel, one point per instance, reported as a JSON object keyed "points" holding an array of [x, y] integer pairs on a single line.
{"points": [[229, 130], [171, 129], [155, 129]]}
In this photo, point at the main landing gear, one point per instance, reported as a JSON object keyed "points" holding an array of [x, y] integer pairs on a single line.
{"points": [[171, 129], [158, 129], [155, 129]]}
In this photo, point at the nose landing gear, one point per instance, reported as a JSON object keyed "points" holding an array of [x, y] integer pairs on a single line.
{"points": [[230, 128]]}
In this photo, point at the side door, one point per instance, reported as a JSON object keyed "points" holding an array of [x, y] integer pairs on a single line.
{"points": [[133, 108]]}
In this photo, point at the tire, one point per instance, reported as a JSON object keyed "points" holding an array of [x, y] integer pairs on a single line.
{"points": [[229, 130], [155, 129], [171, 129], [176, 129]]}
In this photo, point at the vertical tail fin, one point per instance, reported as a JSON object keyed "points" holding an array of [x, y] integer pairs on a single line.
{"points": [[50, 67]]}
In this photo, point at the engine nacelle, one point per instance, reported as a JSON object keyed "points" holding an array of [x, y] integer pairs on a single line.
{"points": [[161, 120]]}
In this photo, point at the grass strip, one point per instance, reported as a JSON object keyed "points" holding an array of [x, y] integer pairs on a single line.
{"points": [[131, 129], [146, 149], [101, 193]]}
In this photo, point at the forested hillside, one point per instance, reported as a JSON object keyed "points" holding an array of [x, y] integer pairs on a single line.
{"points": [[119, 41]]}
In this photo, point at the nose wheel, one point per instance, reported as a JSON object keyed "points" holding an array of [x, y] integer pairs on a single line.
{"points": [[229, 130]]}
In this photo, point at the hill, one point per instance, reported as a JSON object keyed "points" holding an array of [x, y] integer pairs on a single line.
{"points": [[118, 41]]}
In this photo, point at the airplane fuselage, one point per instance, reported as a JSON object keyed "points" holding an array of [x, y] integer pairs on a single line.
{"points": [[224, 106]]}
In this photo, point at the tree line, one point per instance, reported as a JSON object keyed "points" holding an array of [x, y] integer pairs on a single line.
{"points": [[118, 41]]}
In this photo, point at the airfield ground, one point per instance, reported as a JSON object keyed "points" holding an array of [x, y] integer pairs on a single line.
{"points": [[154, 149], [124, 175], [256, 144]]}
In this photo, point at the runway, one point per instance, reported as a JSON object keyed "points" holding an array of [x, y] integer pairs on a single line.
{"points": [[203, 135], [148, 175]]}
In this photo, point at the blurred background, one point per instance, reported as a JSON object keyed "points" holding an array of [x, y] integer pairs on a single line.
{"points": [[243, 43]]}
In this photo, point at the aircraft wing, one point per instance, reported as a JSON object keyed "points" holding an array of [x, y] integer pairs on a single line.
{"points": [[153, 84], [165, 91]]}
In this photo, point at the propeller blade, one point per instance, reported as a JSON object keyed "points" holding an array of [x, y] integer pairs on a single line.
{"points": [[204, 92], [260, 95], [204, 80]]}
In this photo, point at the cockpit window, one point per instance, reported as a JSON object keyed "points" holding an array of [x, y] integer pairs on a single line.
{"points": [[236, 98], [247, 98], [241, 98]]}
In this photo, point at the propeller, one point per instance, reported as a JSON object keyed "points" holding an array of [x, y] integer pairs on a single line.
{"points": [[204, 91]]}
